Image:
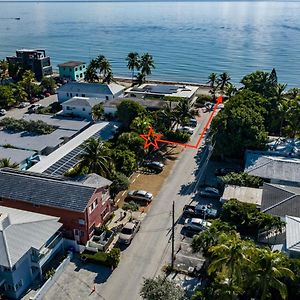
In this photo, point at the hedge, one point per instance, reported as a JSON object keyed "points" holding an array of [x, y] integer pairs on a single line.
{"points": [[110, 259]]}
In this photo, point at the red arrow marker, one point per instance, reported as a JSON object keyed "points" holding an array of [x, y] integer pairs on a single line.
{"points": [[152, 138]]}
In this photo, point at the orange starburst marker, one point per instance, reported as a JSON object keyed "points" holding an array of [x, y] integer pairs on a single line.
{"points": [[151, 138]]}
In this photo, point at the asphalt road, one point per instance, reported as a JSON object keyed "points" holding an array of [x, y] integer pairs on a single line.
{"points": [[150, 249], [19, 112]]}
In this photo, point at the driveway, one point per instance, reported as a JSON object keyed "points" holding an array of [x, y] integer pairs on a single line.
{"points": [[150, 249]]}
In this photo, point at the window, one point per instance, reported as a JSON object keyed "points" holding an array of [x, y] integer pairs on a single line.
{"points": [[19, 284], [81, 233], [71, 95], [68, 108], [76, 231], [80, 75], [80, 68], [67, 94], [76, 69], [93, 205], [82, 95], [106, 97], [76, 95], [70, 69], [83, 109], [81, 222], [36, 205], [64, 69]]}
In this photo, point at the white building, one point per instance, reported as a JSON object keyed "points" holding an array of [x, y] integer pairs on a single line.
{"points": [[80, 106], [90, 90]]}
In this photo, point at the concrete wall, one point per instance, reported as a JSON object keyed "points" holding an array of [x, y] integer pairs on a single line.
{"points": [[64, 96], [76, 73]]}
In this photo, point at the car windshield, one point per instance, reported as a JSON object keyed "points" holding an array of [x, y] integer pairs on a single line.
{"points": [[127, 231]]}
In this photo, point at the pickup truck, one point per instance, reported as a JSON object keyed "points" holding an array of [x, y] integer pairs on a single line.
{"points": [[199, 211]]}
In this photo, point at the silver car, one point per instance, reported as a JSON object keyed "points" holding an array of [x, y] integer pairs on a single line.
{"points": [[140, 195], [128, 231], [196, 224], [210, 192]]}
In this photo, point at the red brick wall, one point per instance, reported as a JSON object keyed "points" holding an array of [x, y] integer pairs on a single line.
{"points": [[70, 219]]}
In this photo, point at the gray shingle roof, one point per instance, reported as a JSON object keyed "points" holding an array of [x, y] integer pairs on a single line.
{"points": [[47, 190], [82, 101], [272, 167], [292, 233], [97, 88], [20, 231], [281, 200]]}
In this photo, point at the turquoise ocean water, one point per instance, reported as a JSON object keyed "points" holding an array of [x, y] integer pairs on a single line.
{"points": [[188, 40]]}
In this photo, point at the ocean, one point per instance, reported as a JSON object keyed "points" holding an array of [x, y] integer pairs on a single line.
{"points": [[188, 40]]}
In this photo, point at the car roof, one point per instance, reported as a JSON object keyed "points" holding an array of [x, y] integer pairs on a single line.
{"points": [[141, 192], [129, 225], [197, 220], [209, 188]]}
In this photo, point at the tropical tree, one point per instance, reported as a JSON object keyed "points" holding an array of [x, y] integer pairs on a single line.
{"points": [[133, 62], [6, 96], [15, 70], [229, 257], [6, 163], [140, 78], [182, 112], [108, 78], [27, 82], [141, 124], [48, 84], [271, 268], [125, 160], [230, 90], [91, 71], [128, 110], [133, 142], [95, 158], [3, 70], [97, 111], [146, 64], [161, 288], [292, 129], [223, 80], [293, 93], [19, 93], [104, 68], [212, 81]]}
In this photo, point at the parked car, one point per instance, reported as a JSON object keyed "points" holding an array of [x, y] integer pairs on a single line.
{"points": [[2, 112], [210, 192], [187, 129], [24, 104], [154, 165], [200, 210], [128, 231], [32, 108], [193, 122], [225, 171], [140, 195], [196, 224]]}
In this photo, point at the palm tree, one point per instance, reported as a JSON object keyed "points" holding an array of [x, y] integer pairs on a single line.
{"points": [[279, 94], [6, 163], [95, 157], [141, 124], [133, 62], [271, 269], [212, 79], [294, 92], [230, 90], [104, 66], [140, 78], [183, 111], [223, 80], [91, 74], [28, 80], [167, 114], [146, 64], [97, 111], [229, 256], [109, 77]]}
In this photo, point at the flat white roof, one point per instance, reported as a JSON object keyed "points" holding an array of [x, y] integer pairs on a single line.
{"points": [[243, 194], [53, 157], [15, 155]]}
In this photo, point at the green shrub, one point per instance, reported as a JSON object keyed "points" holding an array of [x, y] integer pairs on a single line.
{"points": [[242, 179], [120, 183], [173, 98], [131, 206], [110, 259], [203, 98], [176, 136]]}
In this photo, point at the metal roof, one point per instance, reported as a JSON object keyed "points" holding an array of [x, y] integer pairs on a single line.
{"points": [[281, 200], [272, 167], [47, 190], [22, 230], [243, 194], [96, 88], [292, 233], [82, 101]]}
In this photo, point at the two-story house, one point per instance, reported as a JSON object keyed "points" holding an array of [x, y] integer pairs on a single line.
{"points": [[81, 205], [27, 242], [72, 70]]}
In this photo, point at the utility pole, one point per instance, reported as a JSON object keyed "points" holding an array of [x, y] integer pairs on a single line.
{"points": [[173, 235]]}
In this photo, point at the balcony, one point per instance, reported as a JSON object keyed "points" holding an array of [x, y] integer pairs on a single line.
{"points": [[47, 251]]}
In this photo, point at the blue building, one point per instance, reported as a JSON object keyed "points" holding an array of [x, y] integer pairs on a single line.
{"points": [[28, 241], [72, 70]]}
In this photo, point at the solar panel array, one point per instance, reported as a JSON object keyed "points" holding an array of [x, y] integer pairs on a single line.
{"points": [[71, 159]]}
